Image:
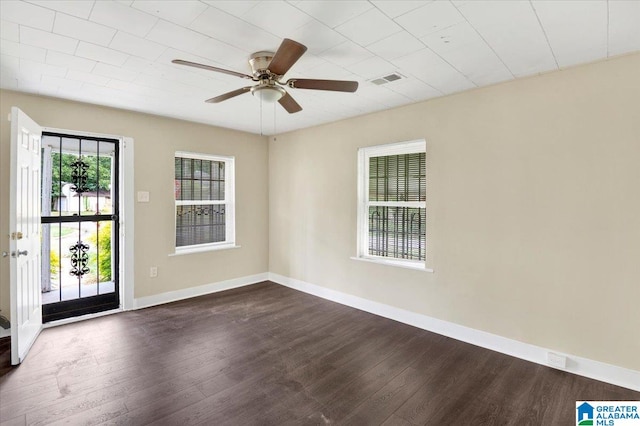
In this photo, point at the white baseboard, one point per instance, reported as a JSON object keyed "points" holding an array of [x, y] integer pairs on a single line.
{"points": [[577, 365], [173, 296], [5, 333]]}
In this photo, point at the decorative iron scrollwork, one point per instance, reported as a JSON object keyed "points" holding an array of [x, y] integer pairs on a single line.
{"points": [[79, 259], [200, 211], [79, 175], [203, 211]]}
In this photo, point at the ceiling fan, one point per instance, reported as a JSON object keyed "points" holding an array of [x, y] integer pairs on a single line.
{"points": [[267, 70]]}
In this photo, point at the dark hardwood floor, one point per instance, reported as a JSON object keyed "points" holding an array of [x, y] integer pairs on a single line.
{"points": [[269, 355]]}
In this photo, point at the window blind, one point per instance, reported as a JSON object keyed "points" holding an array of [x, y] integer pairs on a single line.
{"points": [[396, 229]]}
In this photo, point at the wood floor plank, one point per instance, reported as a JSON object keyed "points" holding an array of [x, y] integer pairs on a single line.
{"points": [[489, 405], [32, 389], [442, 374], [387, 400], [159, 407], [16, 421], [22, 405], [268, 355], [16, 378], [295, 406], [394, 420], [95, 415], [352, 394], [104, 389]]}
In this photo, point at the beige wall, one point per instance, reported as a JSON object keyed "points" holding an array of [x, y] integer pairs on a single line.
{"points": [[534, 209], [156, 140]]}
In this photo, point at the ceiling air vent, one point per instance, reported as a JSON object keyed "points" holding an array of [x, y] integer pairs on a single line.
{"points": [[387, 79]]}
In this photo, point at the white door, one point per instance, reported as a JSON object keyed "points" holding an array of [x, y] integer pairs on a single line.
{"points": [[24, 222]]}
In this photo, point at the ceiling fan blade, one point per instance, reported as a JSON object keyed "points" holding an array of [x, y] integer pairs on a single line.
{"points": [[286, 55], [228, 95], [210, 68], [289, 104], [335, 85]]}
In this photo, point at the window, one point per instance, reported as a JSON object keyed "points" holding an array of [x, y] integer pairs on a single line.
{"points": [[392, 213], [204, 193]]}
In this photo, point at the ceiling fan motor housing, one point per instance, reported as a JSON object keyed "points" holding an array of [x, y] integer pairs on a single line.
{"points": [[259, 62]]}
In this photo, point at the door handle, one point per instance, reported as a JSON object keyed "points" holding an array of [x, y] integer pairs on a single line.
{"points": [[19, 253]]}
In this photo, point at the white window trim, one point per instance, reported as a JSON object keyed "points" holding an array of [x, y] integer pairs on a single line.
{"points": [[201, 248], [398, 263], [364, 154], [229, 202]]}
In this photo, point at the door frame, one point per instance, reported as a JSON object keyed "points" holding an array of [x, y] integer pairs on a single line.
{"points": [[125, 219]]}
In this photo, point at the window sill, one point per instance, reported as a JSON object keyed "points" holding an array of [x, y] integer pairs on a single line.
{"points": [[204, 249], [396, 263]]}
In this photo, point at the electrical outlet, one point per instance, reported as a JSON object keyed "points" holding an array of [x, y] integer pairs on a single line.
{"points": [[153, 271], [556, 360]]}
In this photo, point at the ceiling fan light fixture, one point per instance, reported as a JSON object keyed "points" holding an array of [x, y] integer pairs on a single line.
{"points": [[268, 93]]}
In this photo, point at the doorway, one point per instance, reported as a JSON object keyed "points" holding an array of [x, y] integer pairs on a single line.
{"points": [[80, 221]]}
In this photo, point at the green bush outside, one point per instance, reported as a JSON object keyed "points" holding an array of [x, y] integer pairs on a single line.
{"points": [[102, 239], [54, 260]]}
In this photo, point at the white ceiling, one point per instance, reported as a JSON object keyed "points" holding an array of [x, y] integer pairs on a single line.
{"points": [[118, 53]]}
